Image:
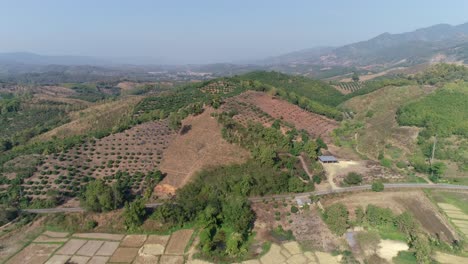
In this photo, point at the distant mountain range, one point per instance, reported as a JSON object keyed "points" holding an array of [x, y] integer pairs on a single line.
{"points": [[438, 43], [441, 42]]}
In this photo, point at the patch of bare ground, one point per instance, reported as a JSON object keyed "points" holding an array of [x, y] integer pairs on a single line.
{"points": [[200, 147], [316, 125], [370, 170], [13, 241], [178, 241], [33, 254], [414, 202], [307, 225]]}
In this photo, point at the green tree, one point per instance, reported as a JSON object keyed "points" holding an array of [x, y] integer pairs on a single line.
{"points": [[353, 178], [310, 147], [336, 216], [134, 214], [355, 77], [98, 197], [175, 121], [233, 244]]}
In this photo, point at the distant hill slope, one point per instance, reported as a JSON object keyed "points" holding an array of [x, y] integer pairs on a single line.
{"points": [[441, 42]]}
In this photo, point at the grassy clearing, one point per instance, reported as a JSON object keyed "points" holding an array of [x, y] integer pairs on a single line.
{"points": [[405, 257], [391, 232]]}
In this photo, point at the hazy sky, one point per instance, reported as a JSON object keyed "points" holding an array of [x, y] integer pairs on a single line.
{"points": [[198, 31]]}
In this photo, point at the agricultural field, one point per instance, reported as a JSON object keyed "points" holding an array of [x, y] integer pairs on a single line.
{"points": [[219, 87], [316, 125], [246, 112], [101, 116], [63, 247], [349, 87], [423, 210], [136, 151]]}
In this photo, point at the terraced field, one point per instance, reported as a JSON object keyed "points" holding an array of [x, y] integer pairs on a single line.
{"points": [[349, 87], [457, 216]]}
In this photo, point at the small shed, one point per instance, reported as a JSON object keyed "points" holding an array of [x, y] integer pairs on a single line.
{"points": [[328, 159]]}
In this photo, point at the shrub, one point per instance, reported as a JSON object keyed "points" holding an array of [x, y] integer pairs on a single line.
{"points": [[91, 224], [353, 178], [294, 209], [377, 186]]}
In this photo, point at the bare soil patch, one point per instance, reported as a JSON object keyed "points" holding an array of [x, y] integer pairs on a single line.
{"points": [[178, 241], [307, 225], [124, 255], [201, 147], [33, 254]]}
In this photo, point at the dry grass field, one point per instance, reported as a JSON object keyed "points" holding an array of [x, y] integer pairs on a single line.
{"points": [[378, 111], [200, 147]]}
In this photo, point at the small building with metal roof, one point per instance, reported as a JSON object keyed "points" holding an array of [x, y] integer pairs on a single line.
{"points": [[328, 159]]}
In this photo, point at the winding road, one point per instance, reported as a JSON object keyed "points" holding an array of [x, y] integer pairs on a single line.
{"points": [[390, 186]]}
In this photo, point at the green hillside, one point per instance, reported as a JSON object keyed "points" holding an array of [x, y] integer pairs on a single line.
{"points": [[313, 89], [444, 112]]}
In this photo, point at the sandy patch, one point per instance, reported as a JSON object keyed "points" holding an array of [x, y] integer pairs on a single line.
{"points": [[297, 259], [151, 250], [71, 247], [327, 258], [273, 256], [293, 247], [388, 249]]}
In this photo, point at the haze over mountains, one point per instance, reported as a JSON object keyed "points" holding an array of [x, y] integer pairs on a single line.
{"points": [[442, 42]]}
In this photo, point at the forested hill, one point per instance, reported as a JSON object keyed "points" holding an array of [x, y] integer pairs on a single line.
{"points": [[315, 90]]}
